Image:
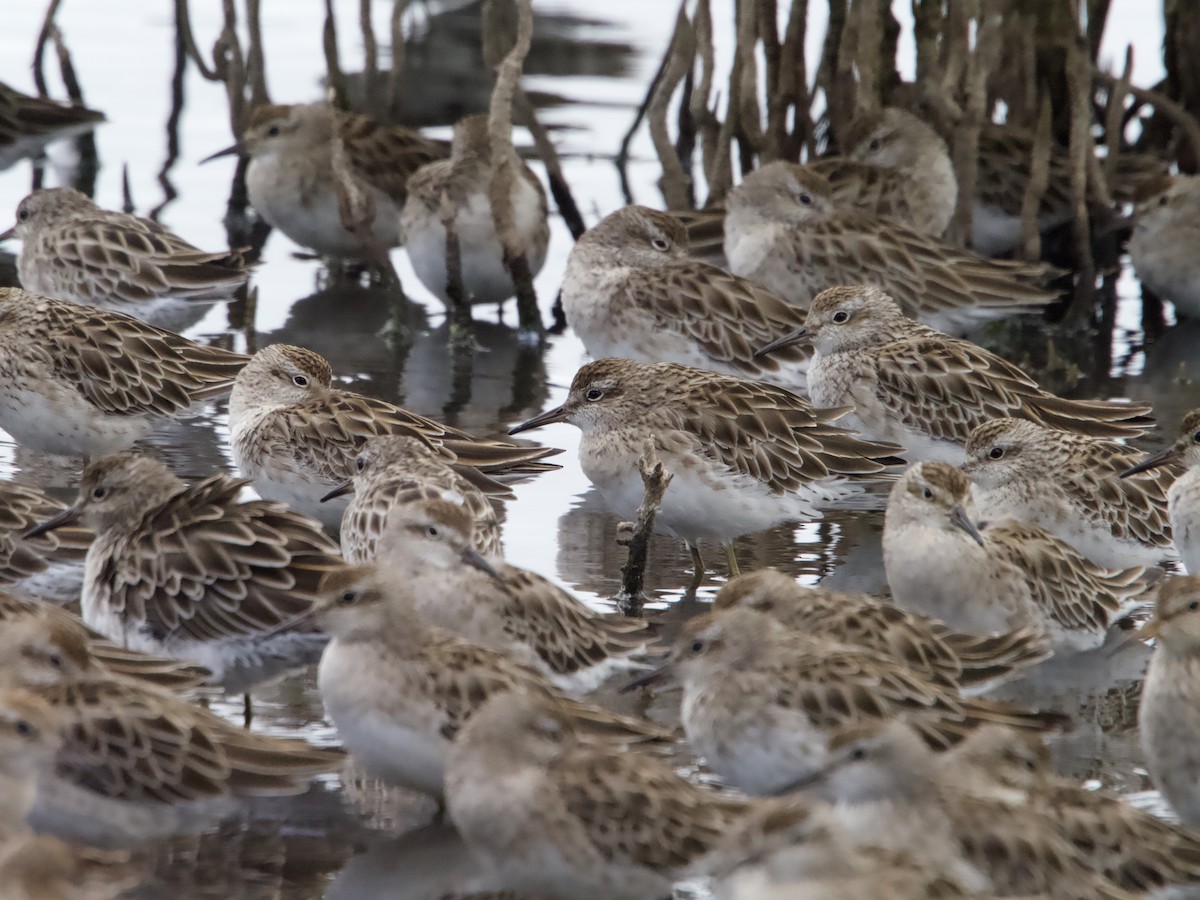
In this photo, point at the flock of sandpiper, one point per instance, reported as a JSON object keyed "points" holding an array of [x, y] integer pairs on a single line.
{"points": [[790, 351]]}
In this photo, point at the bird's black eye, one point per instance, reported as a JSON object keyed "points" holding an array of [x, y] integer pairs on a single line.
{"points": [[1194, 605], [24, 728], [55, 660], [927, 494], [697, 646], [858, 753], [361, 463], [99, 492], [841, 316], [1196, 437], [300, 380], [348, 599], [432, 531], [1163, 200], [874, 145], [804, 199], [594, 394], [996, 452], [273, 131], [22, 215], [659, 244]]}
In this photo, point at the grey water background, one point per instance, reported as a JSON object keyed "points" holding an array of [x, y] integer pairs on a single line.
{"points": [[589, 69]]}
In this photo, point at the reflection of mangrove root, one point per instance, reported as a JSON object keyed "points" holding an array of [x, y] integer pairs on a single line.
{"points": [[636, 535]]}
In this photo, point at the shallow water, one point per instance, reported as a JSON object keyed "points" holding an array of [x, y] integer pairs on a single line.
{"points": [[556, 524]]}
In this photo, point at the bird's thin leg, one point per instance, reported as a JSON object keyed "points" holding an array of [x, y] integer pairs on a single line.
{"points": [[697, 568], [731, 555]]}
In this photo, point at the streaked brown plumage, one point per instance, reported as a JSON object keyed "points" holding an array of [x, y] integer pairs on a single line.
{"points": [[892, 165], [786, 230], [1070, 485], [927, 390], [1183, 496], [192, 572], [72, 249], [137, 761], [754, 429], [744, 456], [956, 659], [296, 436], [1002, 179], [559, 816], [22, 507], [16, 612], [400, 689], [631, 291], [291, 180], [77, 380], [1004, 575], [23, 115], [395, 470], [892, 790], [1134, 848], [759, 701], [506, 608]]}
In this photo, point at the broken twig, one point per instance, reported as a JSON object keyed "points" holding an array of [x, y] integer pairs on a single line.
{"points": [[636, 536]]}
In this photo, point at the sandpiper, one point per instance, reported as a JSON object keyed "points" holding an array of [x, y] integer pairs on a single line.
{"points": [[1169, 715], [428, 543], [759, 702], [926, 390], [39, 866], [555, 816], [1069, 485], [29, 740], [999, 577], [465, 181], [296, 436], [31, 563], [632, 291], [1131, 847], [891, 790], [894, 165], [190, 572], [138, 762], [399, 689], [964, 662], [1002, 179], [81, 381], [786, 230], [822, 860], [17, 612], [394, 470], [72, 249], [28, 123], [745, 456], [291, 179], [1167, 225], [1183, 497]]}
